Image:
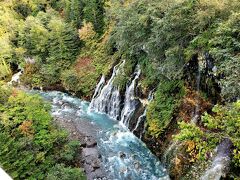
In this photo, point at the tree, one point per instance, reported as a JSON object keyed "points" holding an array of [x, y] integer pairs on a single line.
{"points": [[74, 12], [64, 43], [34, 37], [94, 13], [31, 146]]}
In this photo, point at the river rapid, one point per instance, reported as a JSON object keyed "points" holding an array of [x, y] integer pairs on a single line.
{"points": [[124, 156]]}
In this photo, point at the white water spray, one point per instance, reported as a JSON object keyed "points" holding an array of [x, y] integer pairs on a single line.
{"points": [[15, 78], [106, 98], [221, 162], [130, 100], [142, 118]]}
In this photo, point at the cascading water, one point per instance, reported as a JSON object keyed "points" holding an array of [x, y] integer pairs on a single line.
{"points": [[221, 162], [15, 78], [106, 98], [99, 87], [130, 102], [124, 155], [142, 118], [170, 153], [196, 114]]}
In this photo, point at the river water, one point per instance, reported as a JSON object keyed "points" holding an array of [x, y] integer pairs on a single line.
{"points": [[124, 155]]}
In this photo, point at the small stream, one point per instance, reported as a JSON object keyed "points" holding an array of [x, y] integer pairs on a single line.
{"points": [[124, 155]]}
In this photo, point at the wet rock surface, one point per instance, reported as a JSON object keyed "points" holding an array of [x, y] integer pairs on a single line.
{"points": [[100, 134], [221, 162], [89, 155]]}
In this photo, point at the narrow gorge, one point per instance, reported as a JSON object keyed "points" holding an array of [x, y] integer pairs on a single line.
{"points": [[120, 89]]}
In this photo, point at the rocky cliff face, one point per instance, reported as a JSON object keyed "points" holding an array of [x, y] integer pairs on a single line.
{"points": [[130, 108]]}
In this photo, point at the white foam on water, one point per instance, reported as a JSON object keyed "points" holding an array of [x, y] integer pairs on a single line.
{"points": [[124, 155]]}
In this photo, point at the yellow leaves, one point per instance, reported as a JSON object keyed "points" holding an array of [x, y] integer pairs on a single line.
{"points": [[178, 165], [4, 119], [15, 92], [218, 4], [177, 161], [191, 150], [191, 145], [154, 128], [128, 2], [210, 9], [237, 105], [5, 70], [5, 45], [26, 128], [87, 32], [40, 157], [20, 51]]}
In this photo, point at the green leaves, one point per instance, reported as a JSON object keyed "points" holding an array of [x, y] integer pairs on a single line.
{"points": [[5, 70], [169, 33], [161, 109], [223, 123], [30, 145], [94, 12], [74, 11], [52, 43], [59, 171]]}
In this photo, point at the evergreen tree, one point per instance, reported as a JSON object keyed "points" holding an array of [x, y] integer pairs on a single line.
{"points": [[64, 43], [74, 12], [34, 37], [94, 13]]}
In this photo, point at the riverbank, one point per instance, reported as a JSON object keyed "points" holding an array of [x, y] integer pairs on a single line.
{"points": [[124, 156], [89, 157]]}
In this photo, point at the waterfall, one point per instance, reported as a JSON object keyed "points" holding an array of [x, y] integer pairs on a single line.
{"points": [[221, 162], [130, 102], [114, 103], [150, 98], [171, 152], [144, 130], [99, 87], [15, 78], [197, 108], [106, 98], [142, 118], [123, 155]]}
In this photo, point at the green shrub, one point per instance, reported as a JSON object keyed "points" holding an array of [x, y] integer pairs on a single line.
{"points": [[226, 121], [161, 109], [149, 29], [203, 142], [70, 80], [223, 123], [60, 172], [150, 73], [124, 75], [30, 143], [5, 70]]}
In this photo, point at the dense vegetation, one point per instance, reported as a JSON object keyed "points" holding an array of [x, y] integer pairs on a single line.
{"points": [[71, 43], [43, 39], [31, 146], [225, 121], [169, 33], [162, 107]]}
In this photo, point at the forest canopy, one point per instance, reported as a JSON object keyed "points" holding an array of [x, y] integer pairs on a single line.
{"points": [[188, 52]]}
